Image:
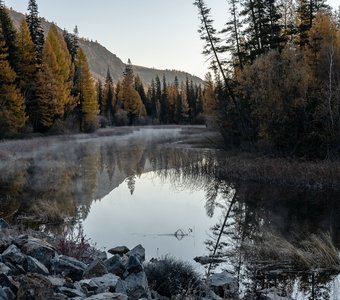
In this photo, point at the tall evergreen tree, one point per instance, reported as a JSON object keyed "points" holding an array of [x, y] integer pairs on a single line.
{"points": [[233, 36], [27, 67], [12, 106], [62, 69], [88, 105], [132, 102], [164, 103], [10, 37], [34, 24], [108, 98]]}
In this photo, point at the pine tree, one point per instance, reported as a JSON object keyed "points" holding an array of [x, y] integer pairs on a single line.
{"points": [[164, 102], [72, 42], [88, 105], [34, 24], [100, 96], [108, 98], [233, 36], [12, 106], [10, 37]]}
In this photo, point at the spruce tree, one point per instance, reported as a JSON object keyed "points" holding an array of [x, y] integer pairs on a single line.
{"points": [[34, 24], [12, 106], [10, 37], [108, 98], [164, 102]]}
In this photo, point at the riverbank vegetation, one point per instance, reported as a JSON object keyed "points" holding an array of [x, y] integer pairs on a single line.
{"points": [[277, 70]]}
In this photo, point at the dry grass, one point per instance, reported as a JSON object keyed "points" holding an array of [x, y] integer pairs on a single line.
{"points": [[314, 175], [273, 252]]}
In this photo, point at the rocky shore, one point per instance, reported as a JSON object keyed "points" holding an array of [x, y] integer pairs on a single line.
{"points": [[32, 269]]}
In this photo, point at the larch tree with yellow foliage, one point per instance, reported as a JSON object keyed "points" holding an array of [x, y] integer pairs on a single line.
{"points": [[86, 94], [130, 98], [12, 106]]}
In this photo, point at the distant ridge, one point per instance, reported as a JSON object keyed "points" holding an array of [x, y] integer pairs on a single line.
{"points": [[100, 59]]}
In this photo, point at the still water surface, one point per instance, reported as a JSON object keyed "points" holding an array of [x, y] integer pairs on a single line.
{"points": [[143, 185]]}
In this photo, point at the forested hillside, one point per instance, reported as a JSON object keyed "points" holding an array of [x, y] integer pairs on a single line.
{"points": [[100, 59], [47, 86]]}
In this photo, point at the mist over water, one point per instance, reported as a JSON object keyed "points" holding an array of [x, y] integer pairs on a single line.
{"points": [[140, 186]]}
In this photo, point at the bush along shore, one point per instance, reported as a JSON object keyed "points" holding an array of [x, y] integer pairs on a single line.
{"points": [[32, 268]]}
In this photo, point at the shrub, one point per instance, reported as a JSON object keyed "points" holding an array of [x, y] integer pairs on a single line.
{"points": [[170, 277]]}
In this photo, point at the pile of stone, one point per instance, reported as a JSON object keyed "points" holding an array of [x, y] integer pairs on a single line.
{"points": [[31, 268]]}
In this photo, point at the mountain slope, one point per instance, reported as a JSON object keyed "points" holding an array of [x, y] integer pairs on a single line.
{"points": [[100, 59]]}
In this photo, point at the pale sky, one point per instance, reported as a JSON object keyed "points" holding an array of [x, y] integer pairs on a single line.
{"points": [[152, 33]]}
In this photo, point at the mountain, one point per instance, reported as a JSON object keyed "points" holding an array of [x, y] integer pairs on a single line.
{"points": [[100, 59]]}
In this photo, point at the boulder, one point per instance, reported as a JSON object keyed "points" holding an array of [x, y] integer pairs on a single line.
{"points": [[108, 296], [13, 255], [135, 286], [138, 251], [3, 224], [223, 284], [3, 295], [32, 265], [115, 265], [106, 283], [34, 287], [5, 242], [4, 269], [96, 269], [7, 281], [56, 281], [38, 249], [68, 267], [134, 265], [120, 250], [71, 293]]}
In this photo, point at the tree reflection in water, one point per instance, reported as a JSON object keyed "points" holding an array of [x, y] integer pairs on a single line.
{"points": [[263, 233]]}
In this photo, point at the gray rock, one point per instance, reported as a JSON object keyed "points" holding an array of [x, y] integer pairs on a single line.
{"points": [[115, 265], [220, 279], [38, 249], [86, 286], [138, 251], [3, 224], [4, 269], [134, 265], [6, 281], [71, 293], [3, 295], [223, 284], [5, 242], [9, 293], [135, 286], [13, 255], [108, 296], [68, 267], [35, 266], [34, 286], [96, 269], [56, 281], [120, 250], [106, 283]]}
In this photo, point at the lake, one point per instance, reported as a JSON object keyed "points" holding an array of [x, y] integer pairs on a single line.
{"points": [[164, 188]]}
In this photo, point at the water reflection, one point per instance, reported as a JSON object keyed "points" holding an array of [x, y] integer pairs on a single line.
{"points": [[144, 180]]}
